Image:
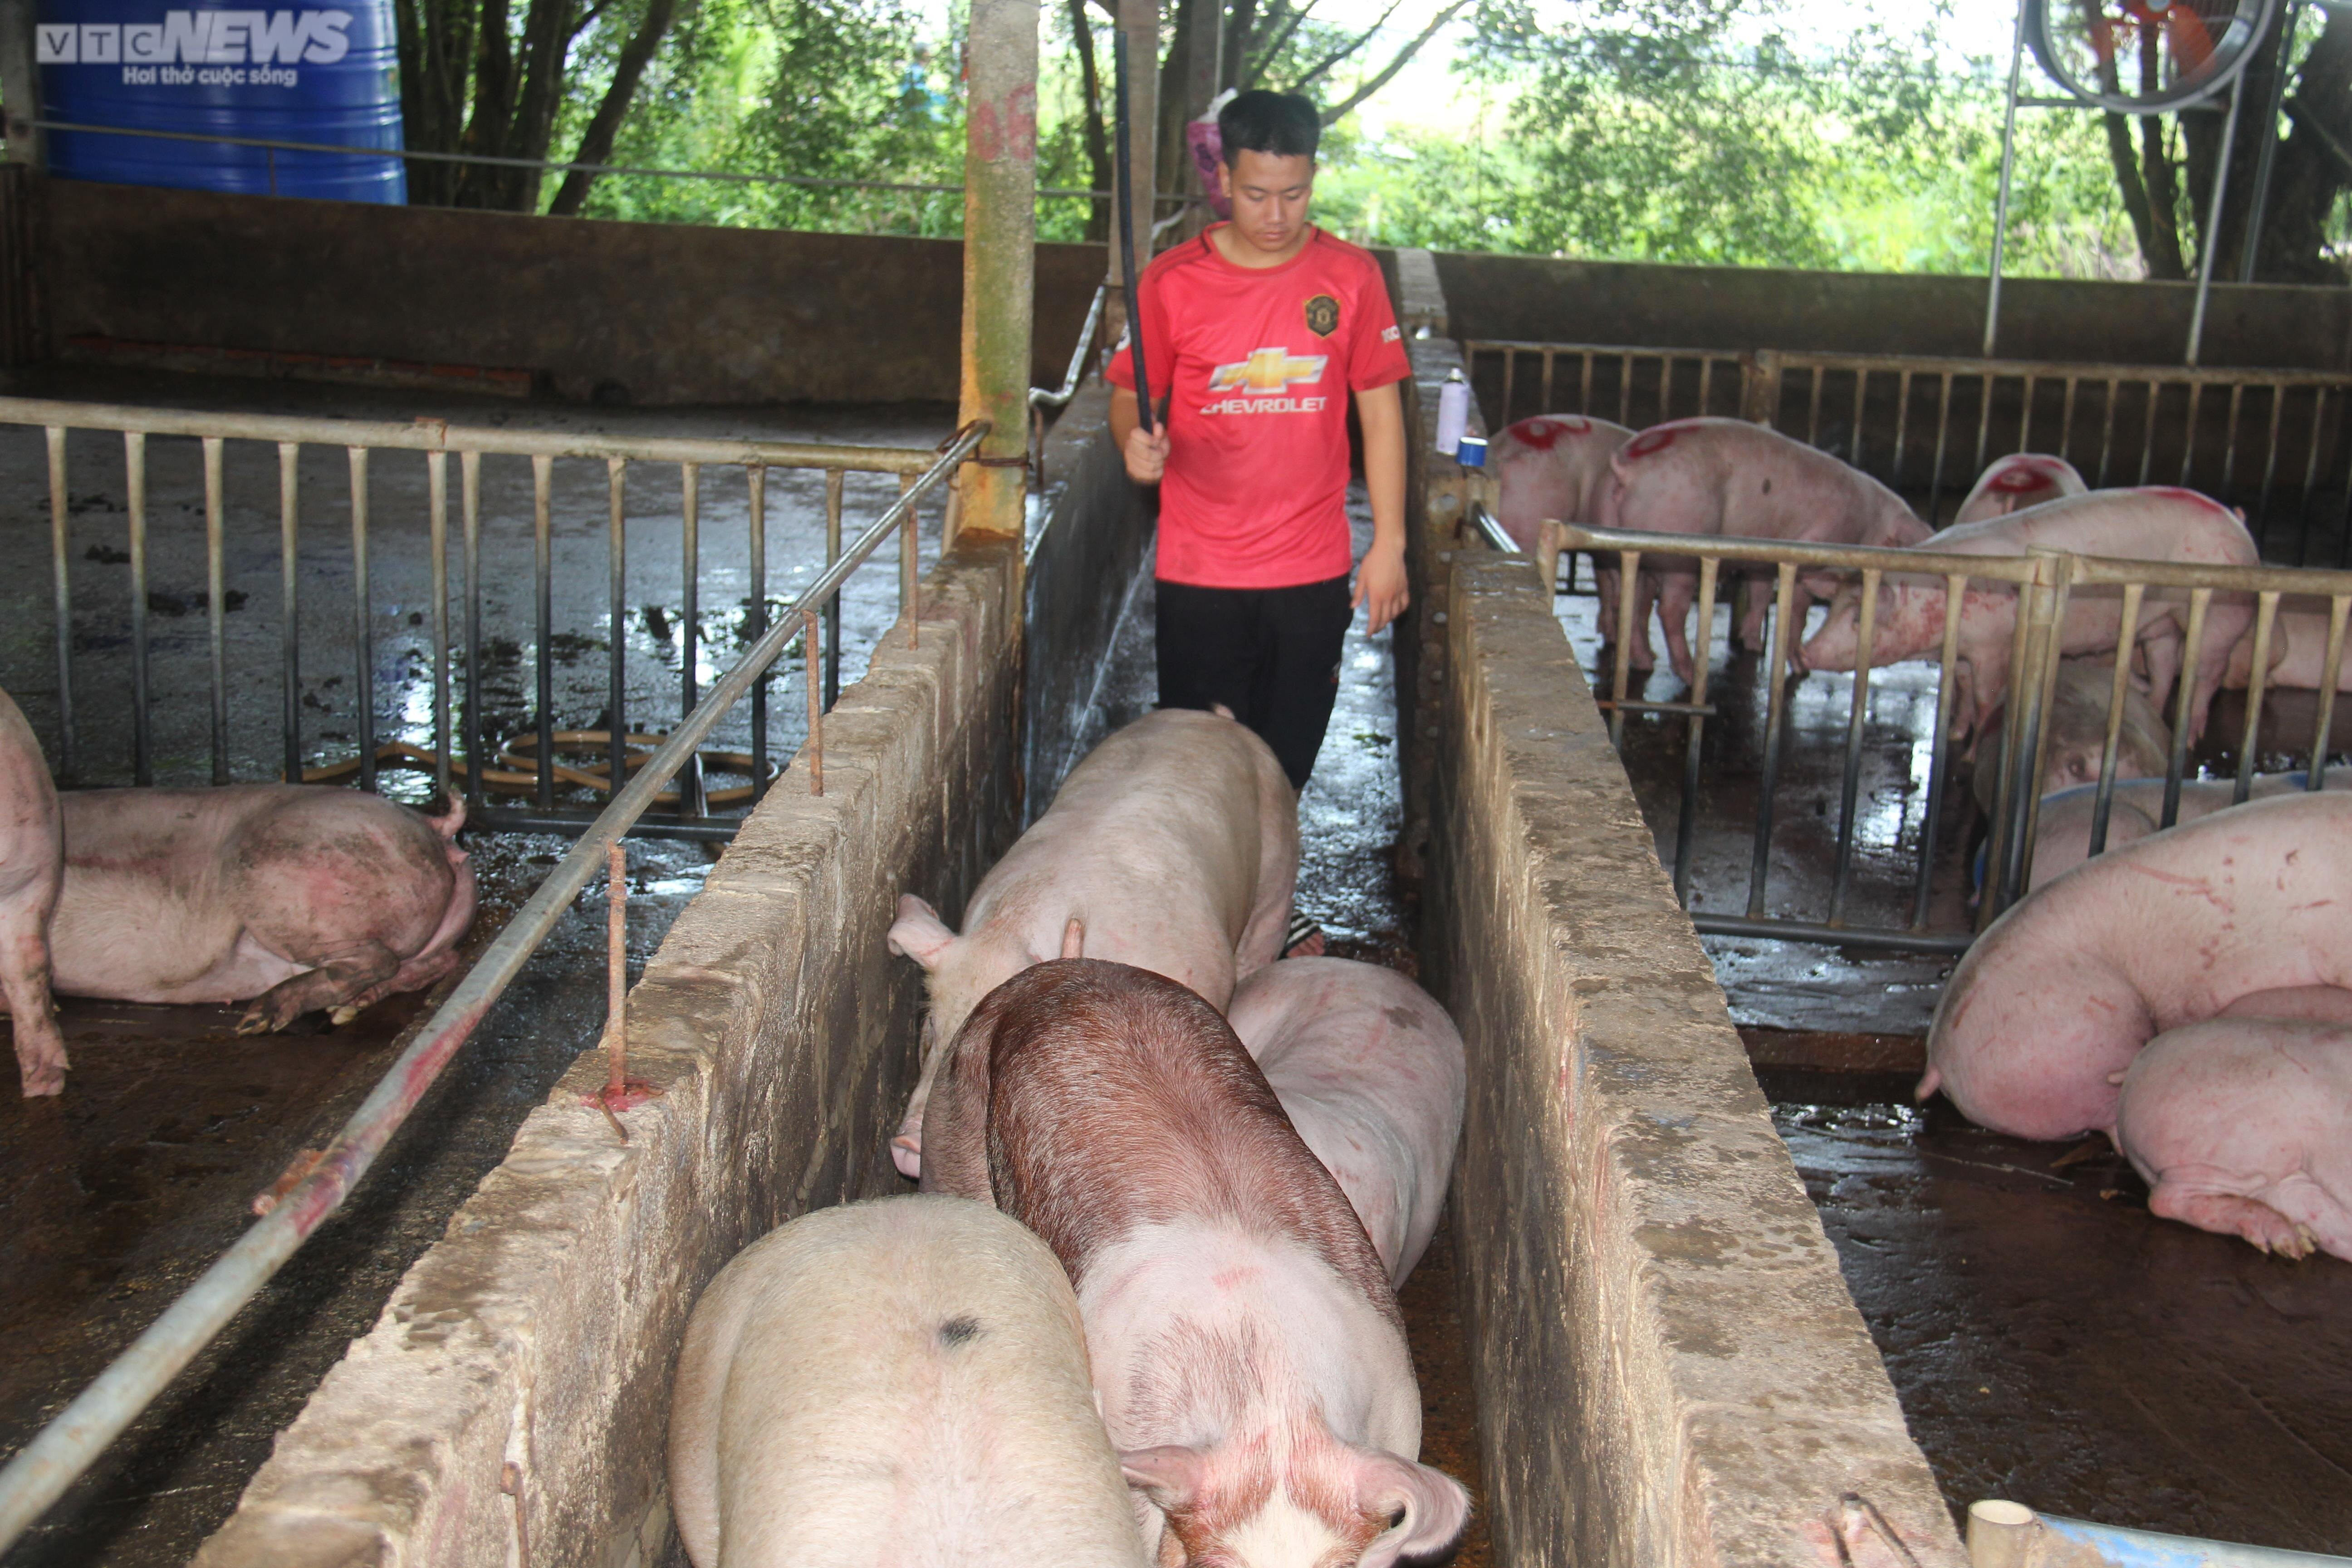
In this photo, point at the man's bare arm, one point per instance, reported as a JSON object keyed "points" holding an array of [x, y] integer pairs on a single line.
{"points": [[1380, 581]]}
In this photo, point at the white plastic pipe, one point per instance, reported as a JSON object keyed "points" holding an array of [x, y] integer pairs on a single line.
{"points": [[2009, 1535]]}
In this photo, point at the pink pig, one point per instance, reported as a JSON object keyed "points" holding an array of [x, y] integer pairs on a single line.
{"points": [[1369, 1070], [31, 867], [2017, 482], [1729, 477], [2055, 1000], [295, 897], [1173, 846], [1553, 469], [1246, 1345], [2160, 523]]}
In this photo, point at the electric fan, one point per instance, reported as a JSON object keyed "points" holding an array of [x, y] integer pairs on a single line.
{"points": [[2144, 56]]}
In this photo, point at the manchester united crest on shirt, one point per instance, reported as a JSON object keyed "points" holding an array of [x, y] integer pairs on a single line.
{"points": [[1322, 315]]}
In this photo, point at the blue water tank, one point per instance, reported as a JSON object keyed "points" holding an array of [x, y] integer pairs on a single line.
{"points": [[327, 74]]}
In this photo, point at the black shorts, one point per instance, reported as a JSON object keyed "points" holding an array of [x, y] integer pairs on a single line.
{"points": [[1271, 655]]}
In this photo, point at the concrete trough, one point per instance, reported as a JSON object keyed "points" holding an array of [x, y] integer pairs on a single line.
{"points": [[1667, 1367]]}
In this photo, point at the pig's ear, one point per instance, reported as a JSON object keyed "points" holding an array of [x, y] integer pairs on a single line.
{"points": [[919, 932], [1428, 1507], [1074, 938], [1169, 1477]]}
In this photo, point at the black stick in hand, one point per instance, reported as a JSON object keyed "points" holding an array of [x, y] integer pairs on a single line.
{"points": [[1127, 229]]}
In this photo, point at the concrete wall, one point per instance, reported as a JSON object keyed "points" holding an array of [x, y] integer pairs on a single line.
{"points": [[1668, 1367], [511, 1402], [1540, 299], [657, 314]]}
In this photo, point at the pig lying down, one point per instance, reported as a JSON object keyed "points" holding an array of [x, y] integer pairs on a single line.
{"points": [[900, 1381], [294, 896], [2063, 839], [32, 859], [1173, 845], [2076, 723], [2242, 1124], [1246, 1345], [2053, 1002], [1730, 477], [1369, 1070]]}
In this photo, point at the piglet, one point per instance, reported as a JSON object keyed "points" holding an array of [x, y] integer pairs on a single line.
{"points": [[1174, 845], [2242, 1124], [31, 867], [903, 1382], [1248, 1347], [2017, 482], [2055, 1000], [1369, 1070], [293, 896]]}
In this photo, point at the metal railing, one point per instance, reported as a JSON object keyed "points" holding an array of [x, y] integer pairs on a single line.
{"points": [[2045, 582], [2272, 441], [484, 766], [61, 1451]]}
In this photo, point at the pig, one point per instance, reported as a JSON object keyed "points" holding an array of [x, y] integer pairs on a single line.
{"points": [[1175, 846], [1552, 468], [901, 1380], [2076, 721], [2062, 832], [1369, 1070], [2017, 482], [293, 896], [1246, 1343], [1729, 477], [2067, 985], [32, 864], [2242, 1124], [2298, 655], [2158, 523]]}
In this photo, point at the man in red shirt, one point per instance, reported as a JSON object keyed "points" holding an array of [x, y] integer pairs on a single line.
{"points": [[1253, 335]]}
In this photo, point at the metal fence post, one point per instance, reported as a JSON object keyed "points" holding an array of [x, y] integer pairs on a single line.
{"points": [[999, 227]]}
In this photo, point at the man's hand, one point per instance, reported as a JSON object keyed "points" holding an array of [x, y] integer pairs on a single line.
{"points": [[1379, 582], [1146, 455]]}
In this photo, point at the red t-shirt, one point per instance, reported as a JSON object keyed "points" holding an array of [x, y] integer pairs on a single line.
{"points": [[1261, 360]]}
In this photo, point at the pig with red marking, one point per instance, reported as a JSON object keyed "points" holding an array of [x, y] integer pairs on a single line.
{"points": [[32, 866], [2159, 523], [296, 898], [1731, 477], [1553, 469], [1173, 846], [902, 1382], [1369, 1070], [1246, 1343], [2017, 482], [2053, 1004]]}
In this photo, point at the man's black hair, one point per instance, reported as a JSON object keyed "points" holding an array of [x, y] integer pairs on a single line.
{"points": [[1282, 124]]}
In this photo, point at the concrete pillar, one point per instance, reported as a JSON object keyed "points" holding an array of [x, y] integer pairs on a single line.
{"points": [[1000, 249], [1139, 21], [20, 84]]}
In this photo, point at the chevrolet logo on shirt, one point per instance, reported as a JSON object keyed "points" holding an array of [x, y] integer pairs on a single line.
{"points": [[1263, 378]]}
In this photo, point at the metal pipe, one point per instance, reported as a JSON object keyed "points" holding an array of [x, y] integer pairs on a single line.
{"points": [[2107, 432], [2257, 678], [1841, 936], [616, 615], [691, 802], [1000, 250], [469, 487], [2211, 243], [910, 584], [813, 654], [290, 601], [2200, 599], [436, 504], [134, 465], [2029, 688], [216, 605], [2062, 566], [62, 575], [2265, 166], [1686, 824], [2310, 476], [1041, 398], [1850, 787], [2004, 793], [1943, 433], [41, 1470], [1775, 732], [2188, 431], [833, 487], [1629, 569], [2102, 804], [543, 534], [363, 621], [1939, 747], [756, 477], [2316, 777], [2001, 201]]}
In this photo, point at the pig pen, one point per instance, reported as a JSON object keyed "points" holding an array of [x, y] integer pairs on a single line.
{"points": [[2051, 1340], [124, 1189]]}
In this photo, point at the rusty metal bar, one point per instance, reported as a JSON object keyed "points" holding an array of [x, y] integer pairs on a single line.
{"points": [[1943, 431], [1584, 384], [216, 602], [2004, 795], [2066, 416], [2310, 478], [832, 489], [910, 584], [1625, 389], [691, 800], [1686, 823], [1984, 416], [62, 575], [756, 477], [2257, 678], [478, 751], [1813, 407], [363, 621], [1861, 392], [1775, 734], [2230, 439], [1850, 786], [2338, 609], [436, 500], [811, 656], [2103, 804], [290, 626], [2188, 432], [2148, 436], [1510, 368], [2025, 416], [543, 518], [616, 619], [2200, 600], [1629, 569], [2061, 569], [1902, 429], [2107, 432], [1544, 406], [1939, 748], [134, 466]]}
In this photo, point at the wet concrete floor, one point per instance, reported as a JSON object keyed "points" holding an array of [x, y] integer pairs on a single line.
{"points": [[1349, 817], [2051, 1340], [120, 1191]]}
